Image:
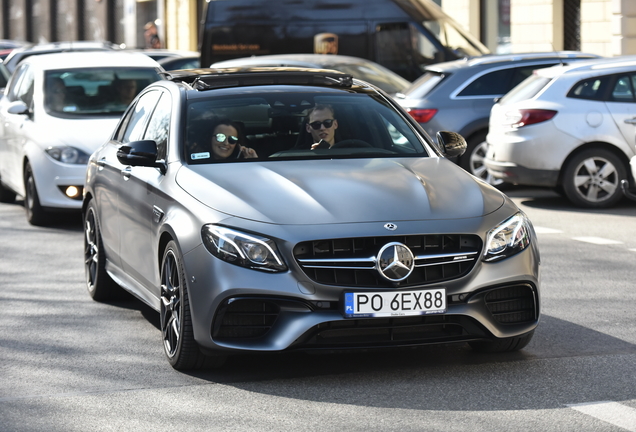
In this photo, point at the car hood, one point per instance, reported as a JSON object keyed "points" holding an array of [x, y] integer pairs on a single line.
{"points": [[341, 191], [81, 133]]}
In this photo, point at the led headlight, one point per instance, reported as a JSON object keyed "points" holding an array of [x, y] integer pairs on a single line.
{"points": [[69, 155], [508, 238], [247, 250]]}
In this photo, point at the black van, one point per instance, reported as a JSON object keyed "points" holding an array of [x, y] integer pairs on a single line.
{"points": [[402, 35]]}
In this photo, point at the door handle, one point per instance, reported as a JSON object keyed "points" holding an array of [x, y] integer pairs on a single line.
{"points": [[125, 173], [631, 121], [101, 163]]}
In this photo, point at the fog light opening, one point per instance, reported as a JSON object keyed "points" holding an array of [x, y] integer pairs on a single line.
{"points": [[73, 192]]}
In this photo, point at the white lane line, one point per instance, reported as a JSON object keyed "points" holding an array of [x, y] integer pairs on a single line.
{"points": [[543, 230], [597, 240], [633, 250], [611, 412]]}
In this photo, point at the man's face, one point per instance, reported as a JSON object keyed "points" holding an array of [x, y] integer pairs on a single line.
{"points": [[322, 133]]}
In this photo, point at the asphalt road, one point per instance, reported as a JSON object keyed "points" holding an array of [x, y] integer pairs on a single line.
{"points": [[68, 363]]}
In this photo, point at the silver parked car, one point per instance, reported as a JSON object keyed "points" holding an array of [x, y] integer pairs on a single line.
{"points": [[209, 204]]}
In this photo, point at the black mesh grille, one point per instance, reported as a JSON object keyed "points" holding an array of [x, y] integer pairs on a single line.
{"points": [[390, 331], [512, 305], [351, 261], [246, 318]]}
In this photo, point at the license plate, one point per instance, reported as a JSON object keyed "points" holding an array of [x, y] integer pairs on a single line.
{"points": [[394, 304]]}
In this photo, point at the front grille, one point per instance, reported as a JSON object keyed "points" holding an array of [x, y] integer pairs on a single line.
{"points": [[377, 332], [512, 305], [352, 261], [245, 318]]}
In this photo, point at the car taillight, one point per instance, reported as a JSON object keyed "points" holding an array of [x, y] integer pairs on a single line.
{"points": [[525, 117], [422, 115]]}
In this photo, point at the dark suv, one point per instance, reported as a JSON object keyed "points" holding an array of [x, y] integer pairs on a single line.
{"points": [[459, 94]]}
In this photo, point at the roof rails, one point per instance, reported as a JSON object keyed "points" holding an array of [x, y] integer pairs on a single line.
{"points": [[208, 79]]}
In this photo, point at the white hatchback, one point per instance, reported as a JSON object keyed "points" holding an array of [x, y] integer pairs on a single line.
{"points": [[57, 110], [572, 128]]}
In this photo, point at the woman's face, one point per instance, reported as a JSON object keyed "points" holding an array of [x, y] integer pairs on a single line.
{"points": [[223, 149]]}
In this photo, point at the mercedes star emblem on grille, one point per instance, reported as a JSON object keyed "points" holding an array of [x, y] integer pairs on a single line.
{"points": [[390, 226], [395, 262]]}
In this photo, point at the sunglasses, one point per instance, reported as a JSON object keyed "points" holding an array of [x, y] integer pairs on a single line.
{"points": [[222, 137], [327, 123]]}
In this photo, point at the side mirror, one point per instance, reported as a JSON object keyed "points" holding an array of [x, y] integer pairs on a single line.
{"points": [[140, 153], [452, 144], [18, 107]]}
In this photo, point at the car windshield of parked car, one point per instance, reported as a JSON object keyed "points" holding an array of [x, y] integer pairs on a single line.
{"points": [[94, 91], [377, 75], [274, 125]]}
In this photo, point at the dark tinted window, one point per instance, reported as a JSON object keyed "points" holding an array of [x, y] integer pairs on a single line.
{"points": [[623, 89], [134, 125], [490, 84], [592, 88]]}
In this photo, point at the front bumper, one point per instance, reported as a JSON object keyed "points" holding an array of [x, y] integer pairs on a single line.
{"points": [[240, 310], [51, 177]]}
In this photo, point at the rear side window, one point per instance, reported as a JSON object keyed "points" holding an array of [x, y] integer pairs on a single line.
{"points": [[493, 83], [528, 89], [591, 88], [424, 84]]}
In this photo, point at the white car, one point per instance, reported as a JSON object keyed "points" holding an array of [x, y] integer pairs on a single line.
{"points": [[57, 110], [572, 128]]}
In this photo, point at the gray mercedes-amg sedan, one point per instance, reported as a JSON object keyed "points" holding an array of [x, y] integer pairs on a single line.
{"points": [[269, 209]]}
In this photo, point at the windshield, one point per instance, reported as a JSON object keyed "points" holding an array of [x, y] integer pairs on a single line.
{"points": [[94, 91], [274, 126]]}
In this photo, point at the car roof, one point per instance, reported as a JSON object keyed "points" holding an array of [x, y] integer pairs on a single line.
{"points": [[602, 65], [497, 59], [67, 60], [301, 60], [19, 54]]}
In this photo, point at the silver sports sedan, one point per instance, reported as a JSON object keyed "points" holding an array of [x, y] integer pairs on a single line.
{"points": [[265, 210]]}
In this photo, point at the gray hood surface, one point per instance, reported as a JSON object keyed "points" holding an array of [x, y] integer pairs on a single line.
{"points": [[341, 191]]}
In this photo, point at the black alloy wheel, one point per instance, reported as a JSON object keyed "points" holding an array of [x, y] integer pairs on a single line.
{"points": [[99, 284], [179, 345], [34, 211]]}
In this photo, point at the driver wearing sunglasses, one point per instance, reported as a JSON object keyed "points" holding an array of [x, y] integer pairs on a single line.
{"points": [[226, 142], [322, 125]]}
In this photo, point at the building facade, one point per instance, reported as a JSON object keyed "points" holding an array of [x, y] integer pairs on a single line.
{"points": [[605, 27]]}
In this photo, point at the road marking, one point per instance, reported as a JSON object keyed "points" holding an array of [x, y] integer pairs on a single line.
{"points": [[610, 412], [543, 230], [633, 250], [597, 240]]}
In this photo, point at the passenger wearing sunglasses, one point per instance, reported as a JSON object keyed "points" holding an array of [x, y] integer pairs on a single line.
{"points": [[226, 142], [322, 125]]}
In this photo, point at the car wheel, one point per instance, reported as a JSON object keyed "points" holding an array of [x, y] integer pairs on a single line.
{"points": [[100, 285], [176, 322], [592, 179], [6, 195], [35, 213], [502, 345], [473, 159]]}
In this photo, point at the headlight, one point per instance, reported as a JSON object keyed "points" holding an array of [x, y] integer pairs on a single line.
{"points": [[69, 155], [247, 250], [508, 238]]}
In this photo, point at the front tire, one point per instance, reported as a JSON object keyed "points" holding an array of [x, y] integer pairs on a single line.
{"points": [[502, 345], [34, 211], [179, 345], [473, 159], [592, 179]]}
